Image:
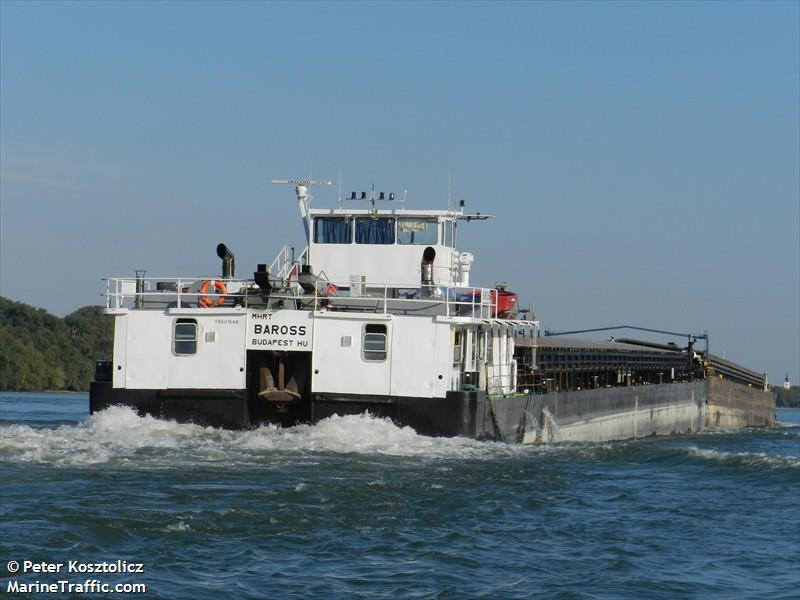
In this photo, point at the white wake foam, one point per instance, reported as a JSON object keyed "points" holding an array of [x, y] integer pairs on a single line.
{"points": [[365, 434], [120, 436], [115, 433], [750, 459]]}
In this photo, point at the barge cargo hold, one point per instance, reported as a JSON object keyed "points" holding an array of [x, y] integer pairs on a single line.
{"points": [[377, 314]]}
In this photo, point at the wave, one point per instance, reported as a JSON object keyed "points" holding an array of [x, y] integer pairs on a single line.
{"points": [[366, 434], [118, 435], [757, 460], [786, 425]]}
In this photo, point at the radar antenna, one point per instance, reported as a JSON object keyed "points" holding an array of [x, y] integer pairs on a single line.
{"points": [[301, 189], [302, 181]]}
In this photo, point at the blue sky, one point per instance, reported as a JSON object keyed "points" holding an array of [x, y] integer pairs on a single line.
{"points": [[641, 158]]}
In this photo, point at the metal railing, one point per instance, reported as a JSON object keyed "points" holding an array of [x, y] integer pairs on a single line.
{"points": [[216, 292], [503, 381], [286, 265], [173, 291]]}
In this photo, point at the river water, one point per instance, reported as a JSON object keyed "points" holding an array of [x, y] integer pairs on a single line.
{"points": [[356, 507]]}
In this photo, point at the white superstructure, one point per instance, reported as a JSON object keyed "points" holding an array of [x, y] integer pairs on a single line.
{"points": [[377, 308]]}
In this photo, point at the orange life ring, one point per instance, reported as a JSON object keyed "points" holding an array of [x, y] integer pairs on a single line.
{"points": [[219, 289]]}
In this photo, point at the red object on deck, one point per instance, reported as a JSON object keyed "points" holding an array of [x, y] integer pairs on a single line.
{"points": [[504, 303]]}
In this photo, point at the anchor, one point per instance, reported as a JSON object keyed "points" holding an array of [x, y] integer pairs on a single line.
{"points": [[273, 384]]}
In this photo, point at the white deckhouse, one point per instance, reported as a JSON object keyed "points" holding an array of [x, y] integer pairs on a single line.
{"points": [[376, 313]]}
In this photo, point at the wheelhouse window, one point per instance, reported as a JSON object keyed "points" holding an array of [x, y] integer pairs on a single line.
{"points": [[375, 231], [333, 230], [417, 231], [450, 234], [184, 338], [374, 349]]}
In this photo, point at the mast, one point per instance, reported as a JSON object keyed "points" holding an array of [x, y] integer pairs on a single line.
{"points": [[304, 197]]}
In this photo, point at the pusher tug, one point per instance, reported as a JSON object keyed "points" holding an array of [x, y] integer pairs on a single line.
{"points": [[378, 314]]}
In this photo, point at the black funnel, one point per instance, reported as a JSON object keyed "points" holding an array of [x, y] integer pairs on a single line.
{"points": [[427, 267], [228, 264]]}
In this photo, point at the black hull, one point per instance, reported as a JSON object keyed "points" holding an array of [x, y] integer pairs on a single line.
{"points": [[453, 415], [589, 415], [215, 408]]}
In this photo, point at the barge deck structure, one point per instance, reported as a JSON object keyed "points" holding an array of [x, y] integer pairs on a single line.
{"points": [[378, 314]]}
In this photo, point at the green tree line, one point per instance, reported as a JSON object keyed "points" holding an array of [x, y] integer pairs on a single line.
{"points": [[788, 398], [39, 351]]}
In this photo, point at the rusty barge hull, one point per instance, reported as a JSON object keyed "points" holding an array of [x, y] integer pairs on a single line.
{"points": [[619, 413]]}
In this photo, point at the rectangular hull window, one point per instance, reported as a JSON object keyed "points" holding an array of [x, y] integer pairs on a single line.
{"points": [[184, 339], [374, 349]]}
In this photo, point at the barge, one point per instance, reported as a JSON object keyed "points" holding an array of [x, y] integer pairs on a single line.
{"points": [[377, 313]]}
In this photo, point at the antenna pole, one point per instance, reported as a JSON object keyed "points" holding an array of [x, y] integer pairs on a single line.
{"points": [[449, 189]]}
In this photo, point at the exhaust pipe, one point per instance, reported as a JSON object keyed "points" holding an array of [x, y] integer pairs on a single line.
{"points": [[228, 263], [426, 268]]}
